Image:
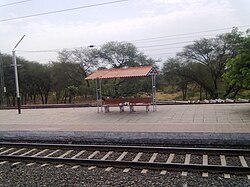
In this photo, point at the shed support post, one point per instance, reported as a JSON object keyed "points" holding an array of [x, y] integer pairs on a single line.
{"points": [[153, 76], [99, 94]]}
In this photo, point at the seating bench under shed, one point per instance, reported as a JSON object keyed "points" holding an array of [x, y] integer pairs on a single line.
{"points": [[131, 103]]}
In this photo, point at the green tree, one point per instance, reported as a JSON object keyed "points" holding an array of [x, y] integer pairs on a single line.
{"points": [[61, 79], [28, 81], [118, 54], [74, 65], [35, 79], [72, 92], [122, 54], [174, 73], [238, 68], [213, 53], [44, 86], [9, 79]]}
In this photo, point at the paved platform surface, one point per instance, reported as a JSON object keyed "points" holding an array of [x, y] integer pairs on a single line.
{"points": [[169, 121]]}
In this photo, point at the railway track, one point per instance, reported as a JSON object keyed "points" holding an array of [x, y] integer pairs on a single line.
{"points": [[163, 159]]}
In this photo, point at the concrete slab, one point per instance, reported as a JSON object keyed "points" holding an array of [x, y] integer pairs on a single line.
{"points": [[176, 120]]}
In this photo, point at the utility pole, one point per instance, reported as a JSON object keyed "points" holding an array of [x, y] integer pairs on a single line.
{"points": [[16, 76]]}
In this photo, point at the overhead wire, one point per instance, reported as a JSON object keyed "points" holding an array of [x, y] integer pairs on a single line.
{"points": [[14, 3], [39, 51], [157, 49], [146, 48], [189, 33], [159, 45], [162, 54], [55, 50], [62, 10], [176, 38], [149, 46]]}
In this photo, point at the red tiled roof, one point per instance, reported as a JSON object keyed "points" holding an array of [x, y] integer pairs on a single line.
{"points": [[122, 72]]}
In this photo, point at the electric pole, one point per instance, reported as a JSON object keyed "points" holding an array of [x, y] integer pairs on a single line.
{"points": [[16, 76]]}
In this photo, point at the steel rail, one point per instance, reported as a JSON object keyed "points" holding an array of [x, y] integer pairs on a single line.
{"points": [[130, 148], [129, 164]]}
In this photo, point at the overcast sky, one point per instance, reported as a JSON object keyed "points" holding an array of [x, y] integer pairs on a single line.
{"points": [[135, 21]]}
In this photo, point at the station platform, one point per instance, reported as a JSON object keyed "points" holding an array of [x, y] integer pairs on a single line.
{"points": [[225, 124]]}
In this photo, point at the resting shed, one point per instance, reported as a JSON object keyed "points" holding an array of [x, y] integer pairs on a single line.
{"points": [[141, 71]]}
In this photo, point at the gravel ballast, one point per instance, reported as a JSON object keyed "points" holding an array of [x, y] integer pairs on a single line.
{"points": [[35, 175]]}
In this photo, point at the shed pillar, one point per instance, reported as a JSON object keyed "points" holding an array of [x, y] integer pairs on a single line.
{"points": [[99, 94], [153, 76]]}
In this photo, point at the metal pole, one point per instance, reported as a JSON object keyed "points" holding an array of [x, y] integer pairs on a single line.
{"points": [[153, 76], [16, 75], [101, 94], [97, 104], [154, 86], [16, 80]]}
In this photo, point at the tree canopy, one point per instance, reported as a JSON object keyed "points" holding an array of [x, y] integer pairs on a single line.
{"points": [[122, 54], [238, 68], [212, 54]]}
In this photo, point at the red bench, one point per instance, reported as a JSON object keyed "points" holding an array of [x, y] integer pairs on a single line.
{"points": [[116, 102], [139, 102], [131, 102]]}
